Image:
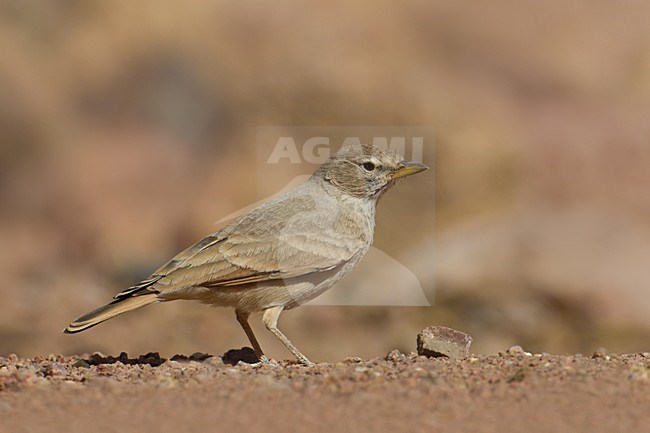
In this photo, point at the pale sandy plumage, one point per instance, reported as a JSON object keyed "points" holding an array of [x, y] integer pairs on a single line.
{"points": [[280, 254]]}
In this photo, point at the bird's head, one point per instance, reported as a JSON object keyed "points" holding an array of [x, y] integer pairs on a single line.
{"points": [[365, 170]]}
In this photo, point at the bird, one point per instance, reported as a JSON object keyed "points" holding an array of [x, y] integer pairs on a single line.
{"points": [[280, 254]]}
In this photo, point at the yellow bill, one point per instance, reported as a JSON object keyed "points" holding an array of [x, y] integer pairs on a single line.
{"points": [[408, 169]]}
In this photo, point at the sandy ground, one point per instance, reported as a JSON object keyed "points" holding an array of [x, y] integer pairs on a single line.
{"points": [[512, 391]]}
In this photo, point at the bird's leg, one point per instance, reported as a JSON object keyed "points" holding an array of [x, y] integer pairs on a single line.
{"points": [[270, 320], [242, 318]]}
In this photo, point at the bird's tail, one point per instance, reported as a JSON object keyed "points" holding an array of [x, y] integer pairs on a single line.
{"points": [[109, 311]]}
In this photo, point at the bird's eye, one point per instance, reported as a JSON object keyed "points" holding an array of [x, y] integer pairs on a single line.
{"points": [[368, 166]]}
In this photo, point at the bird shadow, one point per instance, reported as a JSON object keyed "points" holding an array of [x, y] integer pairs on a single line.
{"points": [[245, 354], [231, 357], [152, 358]]}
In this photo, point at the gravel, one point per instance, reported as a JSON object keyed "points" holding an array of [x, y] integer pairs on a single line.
{"points": [[514, 390]]}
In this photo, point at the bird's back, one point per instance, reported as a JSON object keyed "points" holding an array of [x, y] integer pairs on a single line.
{"points": [[303, 241]]}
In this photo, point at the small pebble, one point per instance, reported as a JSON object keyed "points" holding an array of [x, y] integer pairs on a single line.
{"points": [[518, 351], [601, 353], [395, 356], [81, 363]]}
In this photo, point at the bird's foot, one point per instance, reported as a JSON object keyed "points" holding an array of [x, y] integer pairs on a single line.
{"points": [[304, 361], [266, 361]]}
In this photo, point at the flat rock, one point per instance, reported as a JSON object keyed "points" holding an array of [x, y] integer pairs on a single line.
{"points": [[437, 341]]}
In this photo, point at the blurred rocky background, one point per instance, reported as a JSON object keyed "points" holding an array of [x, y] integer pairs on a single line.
{"points": [[128, 128]]}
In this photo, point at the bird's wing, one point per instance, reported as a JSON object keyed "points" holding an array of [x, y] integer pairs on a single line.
{"points": [[283, 239]]}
